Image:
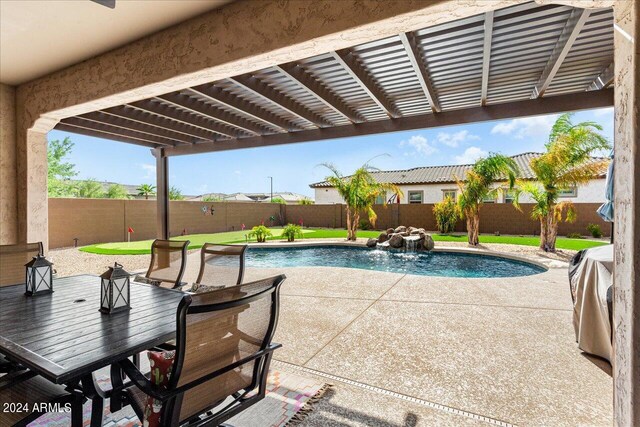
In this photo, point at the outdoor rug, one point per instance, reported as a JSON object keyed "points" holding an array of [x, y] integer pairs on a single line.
{"points": [[289, 399]]}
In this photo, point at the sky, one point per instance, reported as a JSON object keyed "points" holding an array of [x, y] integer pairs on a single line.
{"points": [[295, 166]]}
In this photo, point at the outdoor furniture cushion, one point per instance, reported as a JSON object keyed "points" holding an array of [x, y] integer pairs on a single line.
{"points": [[146, 281], [161, 363]]}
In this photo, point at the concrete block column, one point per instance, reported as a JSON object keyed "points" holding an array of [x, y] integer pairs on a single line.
{"points": [[626, 300]]}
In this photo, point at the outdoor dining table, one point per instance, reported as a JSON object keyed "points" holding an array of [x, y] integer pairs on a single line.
{"points": [[63, 337]]}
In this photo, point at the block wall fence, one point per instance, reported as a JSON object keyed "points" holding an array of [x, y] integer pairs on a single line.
{"points": [[105, 220]]}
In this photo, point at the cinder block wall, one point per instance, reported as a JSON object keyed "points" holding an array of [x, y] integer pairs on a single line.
{"points": [[103, 220]]}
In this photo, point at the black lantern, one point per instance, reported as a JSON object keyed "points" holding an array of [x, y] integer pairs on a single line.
{"points": [[39, 278], [114, 290]]}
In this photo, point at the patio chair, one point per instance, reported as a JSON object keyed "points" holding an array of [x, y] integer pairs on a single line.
{"points": [[168, 262], [12, 261], [31, 391], [222, 356], [220, 266]]}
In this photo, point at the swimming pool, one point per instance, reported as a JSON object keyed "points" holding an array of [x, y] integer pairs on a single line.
{"points": [[450, 264]]}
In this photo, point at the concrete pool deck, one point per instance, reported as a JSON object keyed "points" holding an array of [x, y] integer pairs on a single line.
{"points": [[503, 349], [405, 350]]}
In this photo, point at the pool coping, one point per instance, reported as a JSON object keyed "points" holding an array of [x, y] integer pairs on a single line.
{"points": [[541, 262]]}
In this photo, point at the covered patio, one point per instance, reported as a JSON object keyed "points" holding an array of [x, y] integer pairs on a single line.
{"points": [[255, 74]]}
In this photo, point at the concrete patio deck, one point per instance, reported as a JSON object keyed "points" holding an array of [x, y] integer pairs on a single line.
{"points": [[407, 350]]}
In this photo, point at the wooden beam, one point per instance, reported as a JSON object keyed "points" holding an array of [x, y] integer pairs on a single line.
{"points": [[347, 61], [570, 32], [604, 79], [162, 194], [113, 130], [486, 56], [196, 120], [245, 107], [105, 135], [296, 73], [256, 87], [411, 47], [214, 113], [532, 107], [132, 113], [117, 121]]}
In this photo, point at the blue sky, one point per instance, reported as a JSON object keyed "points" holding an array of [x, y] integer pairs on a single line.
{"points": [[293, 167]]}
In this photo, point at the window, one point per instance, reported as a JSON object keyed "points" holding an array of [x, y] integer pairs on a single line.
{"points": [[381, 199], [415, 196], [489, 199], [568, 192], [509, 196], [449, 193]]}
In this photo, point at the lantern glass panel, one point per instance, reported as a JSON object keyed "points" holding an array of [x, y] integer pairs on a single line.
{"points": [[104, 295], [42, 277], [120, 293]]}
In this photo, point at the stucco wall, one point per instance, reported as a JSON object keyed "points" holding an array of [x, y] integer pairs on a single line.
{"points": [[592, 192], [8, 193]]}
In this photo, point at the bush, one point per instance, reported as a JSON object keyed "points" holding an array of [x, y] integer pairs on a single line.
{"points": [[305, 201], [574, 236], [260, 232], [447, 214], [364, 224], [278, 200], [291, 231], [595, 230]]}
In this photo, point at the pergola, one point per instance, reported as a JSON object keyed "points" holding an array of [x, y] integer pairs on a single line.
{"points": [[343, 69]]}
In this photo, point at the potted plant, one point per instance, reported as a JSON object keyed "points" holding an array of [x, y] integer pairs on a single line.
{"points": [[291, 231], [260, 232]]}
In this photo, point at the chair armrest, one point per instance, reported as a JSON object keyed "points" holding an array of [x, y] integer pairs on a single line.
{"points": [[142, 382]]}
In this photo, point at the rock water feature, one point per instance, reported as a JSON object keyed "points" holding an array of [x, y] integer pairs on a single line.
{"points": [[410, 239]]}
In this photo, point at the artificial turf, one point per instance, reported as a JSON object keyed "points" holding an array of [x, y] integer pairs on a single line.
{"points": [[197, 240]]}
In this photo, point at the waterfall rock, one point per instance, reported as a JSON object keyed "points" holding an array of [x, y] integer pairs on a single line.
{"points": [[383, 237], [396, 241], [372, 243], [400, 229], [428, 243], [390, 231], [415, 231]]}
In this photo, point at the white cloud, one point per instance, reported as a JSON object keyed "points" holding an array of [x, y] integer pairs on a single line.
{"points": [[237, 172], [149, 170], [419, 144], [526, 127], [455, 139], [470, 155]]}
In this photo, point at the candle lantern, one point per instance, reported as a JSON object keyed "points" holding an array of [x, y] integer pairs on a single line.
{"points": [[39, 276], [114, 290]]}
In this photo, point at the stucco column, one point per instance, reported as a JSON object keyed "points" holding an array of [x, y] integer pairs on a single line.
{"points": [[626, 301], [162, 194], [8, 188]]}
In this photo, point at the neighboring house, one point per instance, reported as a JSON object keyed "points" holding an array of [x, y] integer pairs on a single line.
{"points": [[432, 184], [289, 197]]}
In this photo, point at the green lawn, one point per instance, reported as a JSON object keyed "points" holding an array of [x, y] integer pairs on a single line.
{"points": [[197, 240]]}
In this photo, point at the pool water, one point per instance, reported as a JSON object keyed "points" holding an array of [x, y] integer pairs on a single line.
{"points": [[450, 264]]}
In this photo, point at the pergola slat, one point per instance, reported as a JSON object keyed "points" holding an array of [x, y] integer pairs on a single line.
{"points": [[569, 34], [242, 106], [420, 69], [346, 59], [115, 130], [528, 107], [296, 73], [486, 56], [141, 116], [213, 113], [160, 109], [106, 135], [258, 88], [604, 79]]}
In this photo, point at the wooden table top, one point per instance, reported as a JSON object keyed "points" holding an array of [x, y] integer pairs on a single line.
{"points": [[64, 337]]}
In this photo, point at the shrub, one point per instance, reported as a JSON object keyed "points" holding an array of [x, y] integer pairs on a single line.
{"points": [[278, 200], [305, 201], [575, 236], [260, 232], [447, 214], [364, 224], [291, 231], [595, 230]]}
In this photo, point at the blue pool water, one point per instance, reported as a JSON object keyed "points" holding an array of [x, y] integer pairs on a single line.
{"points": [[450, 264]]}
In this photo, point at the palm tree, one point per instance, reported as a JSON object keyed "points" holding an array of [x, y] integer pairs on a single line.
{"points": [[568, 162], [146, 190], [477, 187], [359, 192]]}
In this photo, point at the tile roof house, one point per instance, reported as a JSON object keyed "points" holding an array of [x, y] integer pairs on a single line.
{"points": [[430, 184]]}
